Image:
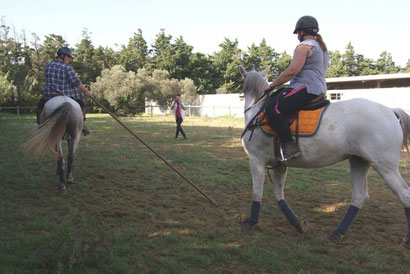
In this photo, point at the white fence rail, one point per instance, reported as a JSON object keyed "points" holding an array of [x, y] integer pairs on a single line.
{"points": [[18, 109], [208, 111]]}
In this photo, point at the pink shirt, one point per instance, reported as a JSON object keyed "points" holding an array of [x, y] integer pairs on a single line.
{"points": [[177, 111]]}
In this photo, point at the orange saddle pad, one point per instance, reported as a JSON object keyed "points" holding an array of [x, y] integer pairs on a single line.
{"points": [[308, 122]]}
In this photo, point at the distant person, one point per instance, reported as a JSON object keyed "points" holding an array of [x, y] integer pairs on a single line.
{"points": [[62, 80], [179, 112], [307, 76]]}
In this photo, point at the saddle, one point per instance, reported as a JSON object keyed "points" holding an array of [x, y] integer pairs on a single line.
{"points": [[303, 122]]}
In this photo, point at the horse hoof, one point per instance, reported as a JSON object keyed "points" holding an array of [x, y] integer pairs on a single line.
{"points": [[336, 237], [62, 188], [406, 242], [70, 180], [246, 226], [303, 225]]}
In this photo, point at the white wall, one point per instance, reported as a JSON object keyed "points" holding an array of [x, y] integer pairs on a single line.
{"points": [[213, 105]]}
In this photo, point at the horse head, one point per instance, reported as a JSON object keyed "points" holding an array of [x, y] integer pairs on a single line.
{"points": [[254, 82]]}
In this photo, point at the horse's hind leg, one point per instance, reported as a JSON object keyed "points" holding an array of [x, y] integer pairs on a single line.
{"points": [[359, 169], [279, 180], [397, 184], [258, 179], [70, 161], [60, 167]]}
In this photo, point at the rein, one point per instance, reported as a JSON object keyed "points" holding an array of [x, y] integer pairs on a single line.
{"points": [[267, 94], [257, 101]]}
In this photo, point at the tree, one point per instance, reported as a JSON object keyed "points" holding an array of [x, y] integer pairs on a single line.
{"points": [[162, 53], [349, 61], [407, 67], [336, 66], [15, 60], [121, 89], [261, 57], [85, 64], [203, 74], [180, 66], [226, 63], [385, 64], [6, 90], [135, 55], [41, 55]]}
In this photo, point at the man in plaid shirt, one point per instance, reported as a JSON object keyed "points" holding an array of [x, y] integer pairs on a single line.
{"points": [[62, 80]]}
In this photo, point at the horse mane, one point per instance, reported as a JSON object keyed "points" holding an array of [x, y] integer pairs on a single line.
{"points": [[255, 83]]}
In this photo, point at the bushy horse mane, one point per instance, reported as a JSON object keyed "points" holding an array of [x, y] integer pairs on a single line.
{"points": [[255, 83]]}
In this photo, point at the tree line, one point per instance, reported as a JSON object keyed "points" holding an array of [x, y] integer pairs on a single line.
{"points": [[125, 77]]}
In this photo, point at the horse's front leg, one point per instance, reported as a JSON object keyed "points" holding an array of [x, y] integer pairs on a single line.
{"points": [[279, 180], [258, 179]]}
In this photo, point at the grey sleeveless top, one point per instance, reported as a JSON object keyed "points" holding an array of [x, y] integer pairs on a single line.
{"points": [[313, 73]]}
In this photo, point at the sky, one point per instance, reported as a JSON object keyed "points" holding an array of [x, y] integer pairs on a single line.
{"points": [[371, 26]]}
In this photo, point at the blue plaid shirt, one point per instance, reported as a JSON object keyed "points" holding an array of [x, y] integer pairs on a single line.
{"points": [[61, 78]]}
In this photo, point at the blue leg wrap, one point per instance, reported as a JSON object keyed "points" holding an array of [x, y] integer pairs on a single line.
{"points": [[290, 215], [347, 220], [407, 211], [256, 206]]}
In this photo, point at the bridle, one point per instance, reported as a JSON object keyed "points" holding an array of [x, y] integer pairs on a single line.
{"points": [[257, 101]]}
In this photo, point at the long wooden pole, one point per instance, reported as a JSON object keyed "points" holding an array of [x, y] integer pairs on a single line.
{"points": [[153, 151]]}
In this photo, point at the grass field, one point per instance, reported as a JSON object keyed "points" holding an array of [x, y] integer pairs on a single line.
{"points": [[130, 213]]}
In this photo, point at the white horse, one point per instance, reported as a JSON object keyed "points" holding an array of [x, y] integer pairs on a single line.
{"points": [[61, 118], [366, 133]]}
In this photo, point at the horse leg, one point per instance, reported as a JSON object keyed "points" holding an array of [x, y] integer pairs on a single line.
{"points": [[258, 178], [397, 184], [70, 161], [60, 167], [279, 180], [359, 169]]}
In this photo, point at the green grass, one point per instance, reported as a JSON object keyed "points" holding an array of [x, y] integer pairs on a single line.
{"points": [[130, 213]]}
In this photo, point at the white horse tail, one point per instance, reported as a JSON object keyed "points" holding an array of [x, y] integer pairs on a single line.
{"points": [[44, 139], [405, 125]]}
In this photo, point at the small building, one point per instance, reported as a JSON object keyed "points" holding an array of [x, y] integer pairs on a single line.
{"points": [[392, 90]]}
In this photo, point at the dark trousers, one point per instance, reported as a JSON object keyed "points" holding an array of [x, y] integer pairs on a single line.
{"points": [[42, 102], [179, 128], [286, 102]]}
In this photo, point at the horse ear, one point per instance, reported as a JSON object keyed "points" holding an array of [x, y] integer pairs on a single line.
{"points": [[264, 72], [243, 72]]}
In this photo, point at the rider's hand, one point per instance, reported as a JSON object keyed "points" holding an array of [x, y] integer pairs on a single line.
{"points": [[269, 88]]}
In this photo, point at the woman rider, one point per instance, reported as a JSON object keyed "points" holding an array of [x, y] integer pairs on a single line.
{"points": [[307, 75]]}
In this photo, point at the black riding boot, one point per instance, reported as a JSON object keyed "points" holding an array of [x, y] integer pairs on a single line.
{"points": [[290, 150], [85, 130]]}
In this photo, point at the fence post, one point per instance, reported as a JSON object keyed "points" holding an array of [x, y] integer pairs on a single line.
{"points": [[18, 111]]}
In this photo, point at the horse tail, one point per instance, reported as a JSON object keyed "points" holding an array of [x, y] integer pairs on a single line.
{"points": [[404, 119], [44, 139]]}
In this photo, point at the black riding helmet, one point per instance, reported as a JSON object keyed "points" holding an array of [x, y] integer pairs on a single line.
{"points": [[308, 24], [64, 51]]}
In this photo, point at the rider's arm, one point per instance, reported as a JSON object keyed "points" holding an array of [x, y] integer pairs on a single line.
{"points": [[84, 90], [298, 61]]}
